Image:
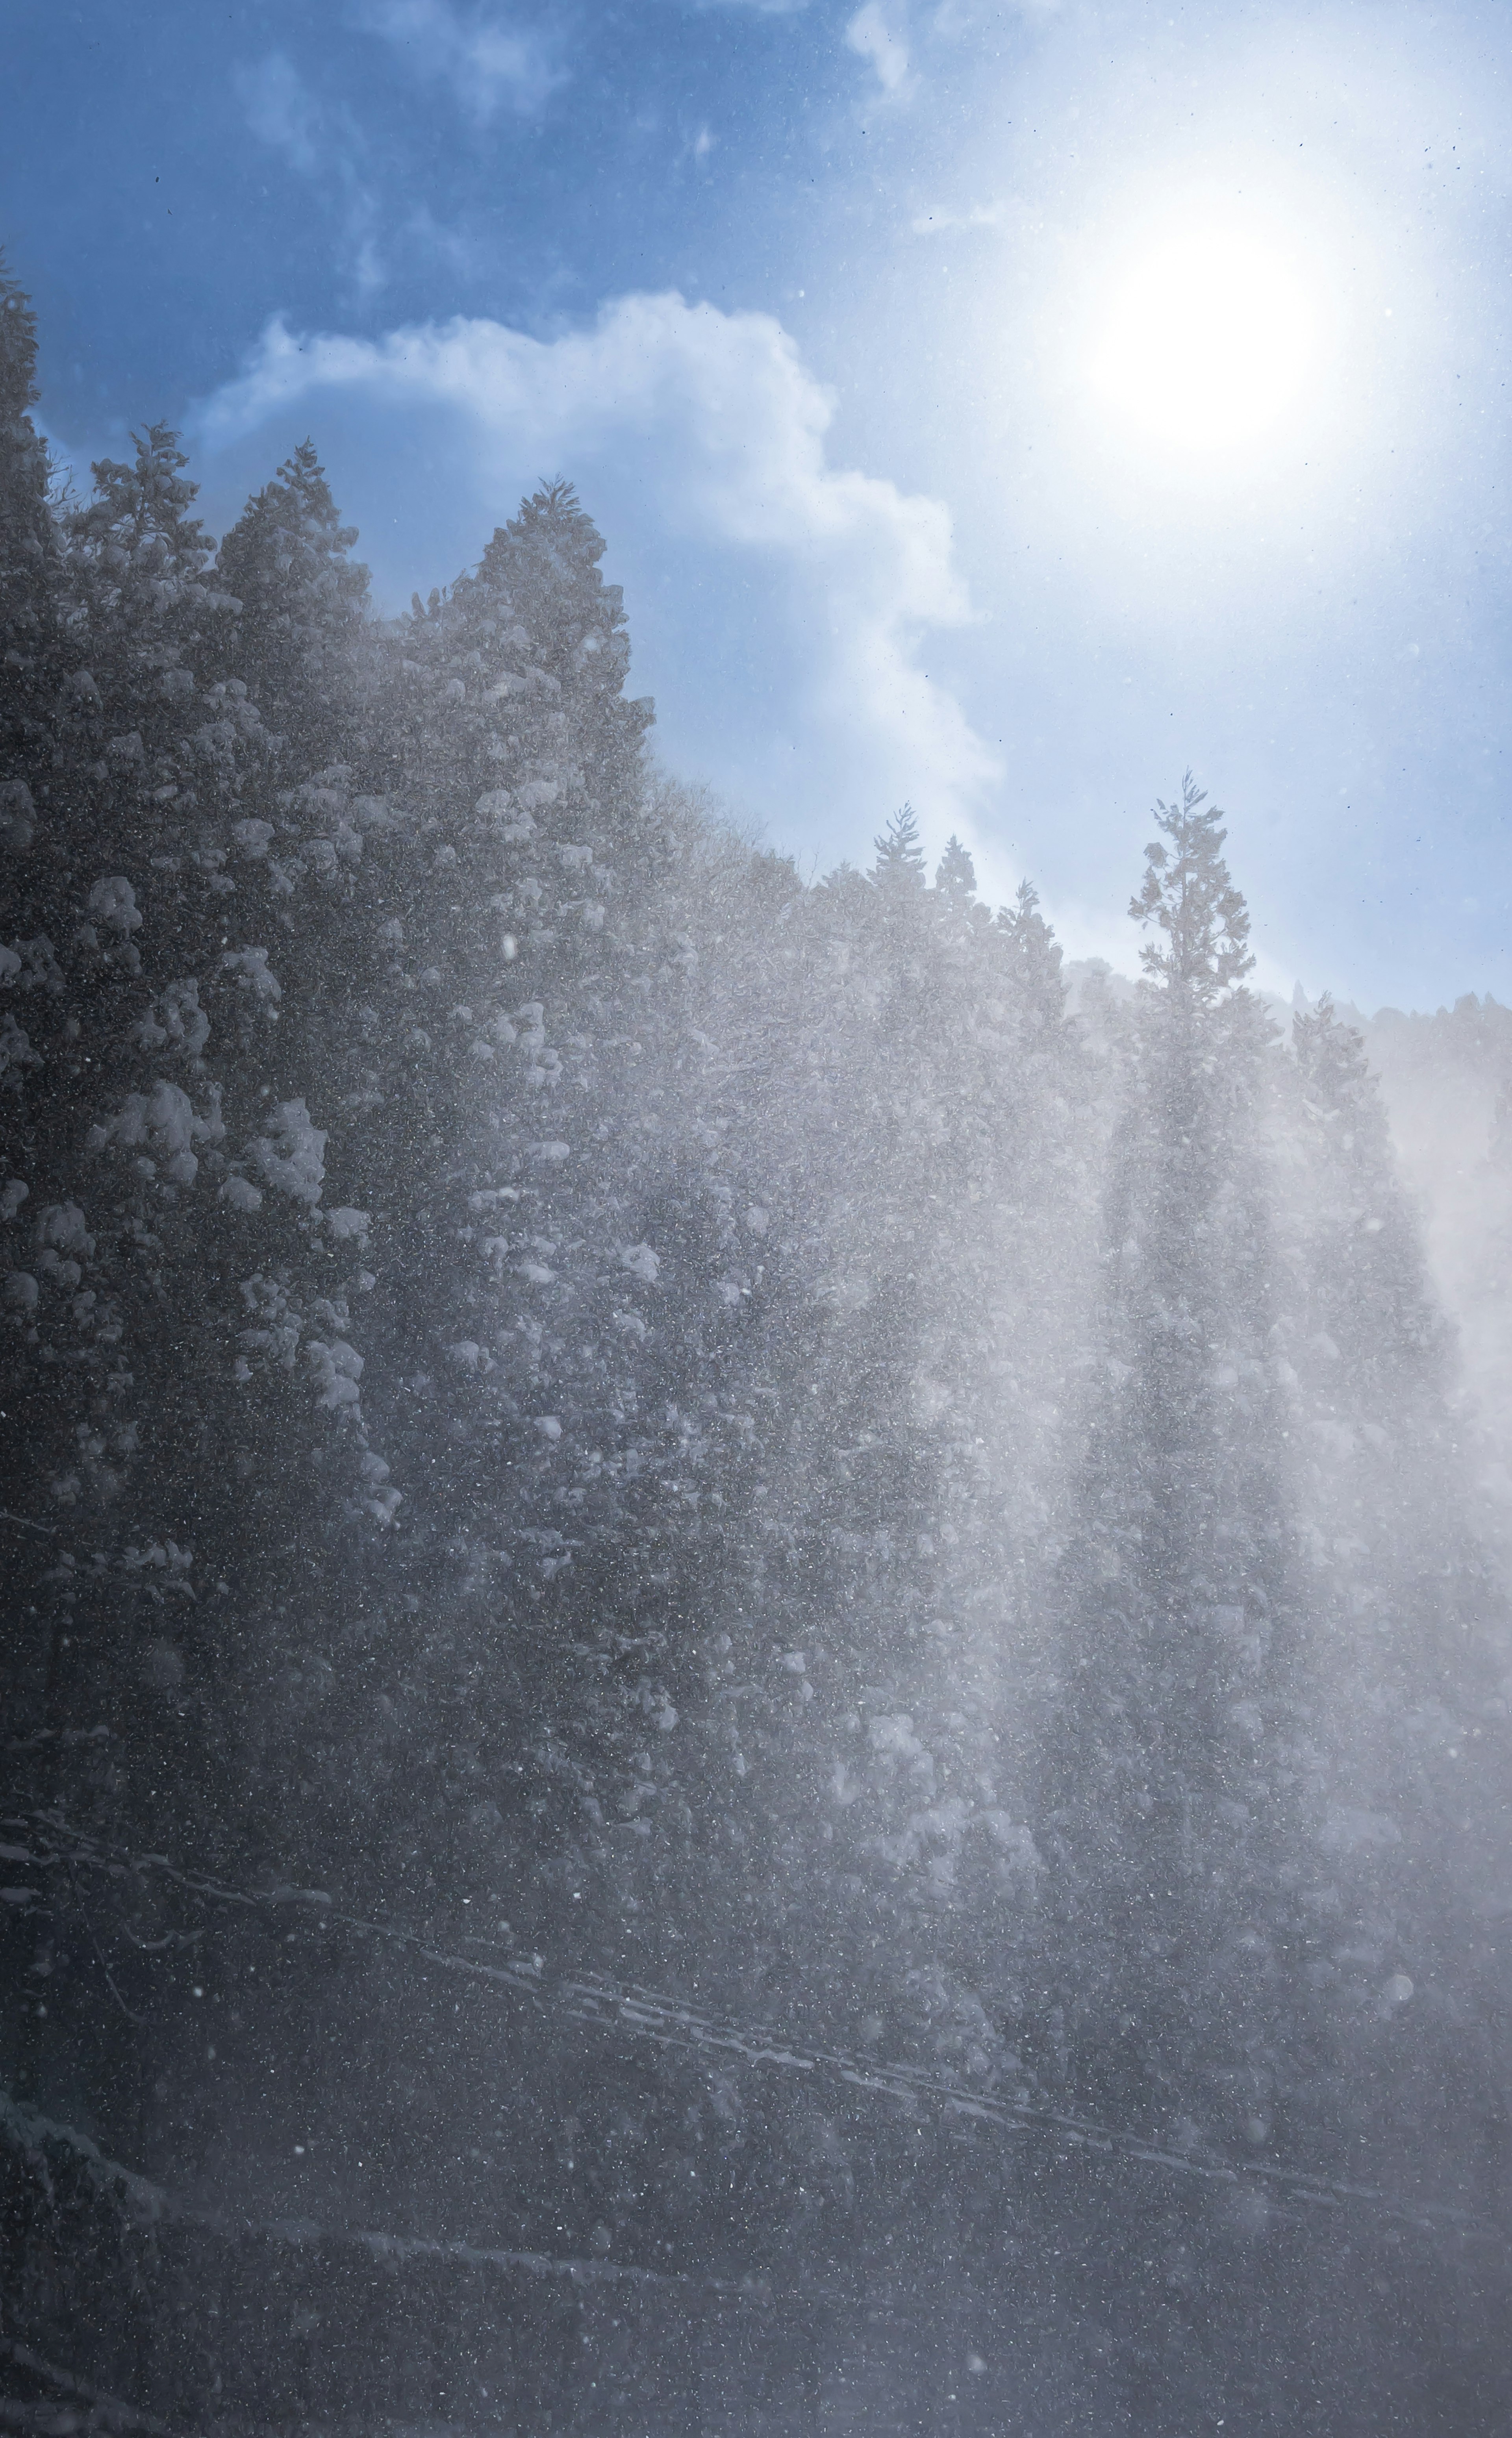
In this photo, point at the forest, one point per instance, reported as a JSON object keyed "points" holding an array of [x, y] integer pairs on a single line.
{"points": [[756, 1652]]}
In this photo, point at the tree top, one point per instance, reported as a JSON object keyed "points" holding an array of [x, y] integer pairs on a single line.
{"points": [[1190, 900]]}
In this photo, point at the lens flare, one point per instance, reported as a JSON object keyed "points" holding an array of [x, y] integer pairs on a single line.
{"points": [[1205, 340]]}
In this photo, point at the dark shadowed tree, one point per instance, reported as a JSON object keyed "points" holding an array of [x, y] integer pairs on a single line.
{"points": [[32, 605], [302, 608]]}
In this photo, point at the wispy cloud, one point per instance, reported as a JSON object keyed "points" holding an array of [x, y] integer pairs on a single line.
{"points": [[883, 43], [281, 111], [319, 145], [489, 62], [456, 243]]}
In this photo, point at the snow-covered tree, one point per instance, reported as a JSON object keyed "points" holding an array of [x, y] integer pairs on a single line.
{"points": [[900, 862], [164, 1205], [592, 1396], [1166, 1788], [298, 637]]}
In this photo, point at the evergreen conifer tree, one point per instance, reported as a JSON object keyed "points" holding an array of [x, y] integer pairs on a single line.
{"points": [[1202, 948], [1165, 1801], [956, 877], [31, 601], [296, 642], [495, 973], [899, 863], [164, 1206], [1036, 959]]}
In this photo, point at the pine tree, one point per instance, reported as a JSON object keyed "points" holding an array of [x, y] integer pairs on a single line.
{"points": [[899, 863], [1036, 957], [303, 607], [111, 797], [163, 1207], [31, 598], [956, 878], [1164, 1791], [1189, 897], [477, 1019]]}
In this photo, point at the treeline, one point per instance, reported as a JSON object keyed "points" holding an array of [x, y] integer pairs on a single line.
{"points": [[553, 1367]]}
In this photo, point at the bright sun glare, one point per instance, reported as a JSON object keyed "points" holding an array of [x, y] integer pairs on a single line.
{"points": [[1205, 340]]}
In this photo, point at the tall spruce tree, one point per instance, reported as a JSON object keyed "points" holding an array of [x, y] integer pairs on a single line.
{"points": [[497, 980], [31, 595], [900, 858], [1164, 1804], [298, 631]]}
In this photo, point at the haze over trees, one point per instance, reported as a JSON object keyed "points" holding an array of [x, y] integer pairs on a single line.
{"points": [[610, 1412]]}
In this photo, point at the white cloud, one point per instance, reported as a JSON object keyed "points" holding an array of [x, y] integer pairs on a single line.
{"points": [[816, 583], [486, 61], [281, 110], [876, 40]]}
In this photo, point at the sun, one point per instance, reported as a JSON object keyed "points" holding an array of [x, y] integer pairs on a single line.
{"points": [[1205, 340]]}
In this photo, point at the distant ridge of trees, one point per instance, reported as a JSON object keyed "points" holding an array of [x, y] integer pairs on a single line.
{"points": [[552, 1368]]}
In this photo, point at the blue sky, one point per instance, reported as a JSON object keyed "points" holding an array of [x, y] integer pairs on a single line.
{"points": [[1000, 407]]}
